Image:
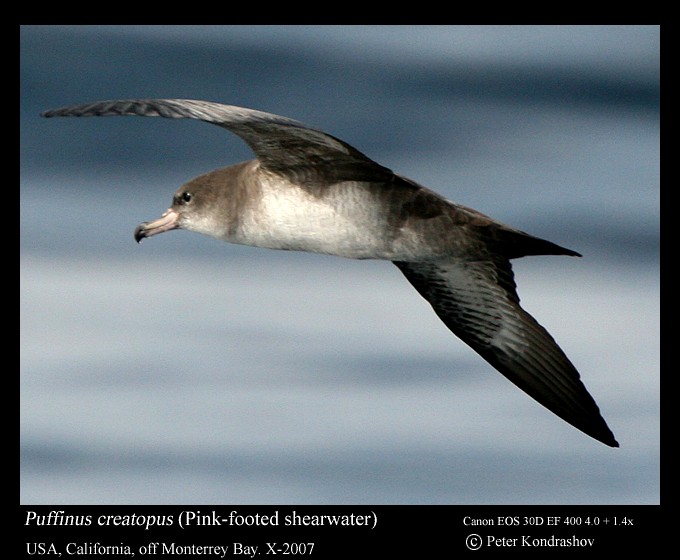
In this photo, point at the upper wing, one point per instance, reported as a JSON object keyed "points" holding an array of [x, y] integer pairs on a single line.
{"points": [[282, 145], [478, 302]]}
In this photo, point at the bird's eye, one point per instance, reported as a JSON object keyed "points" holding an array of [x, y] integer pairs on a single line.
{"points": [[186, 197]]}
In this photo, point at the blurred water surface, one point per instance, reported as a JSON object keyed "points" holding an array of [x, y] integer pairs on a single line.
{"points": [[186, 370]]}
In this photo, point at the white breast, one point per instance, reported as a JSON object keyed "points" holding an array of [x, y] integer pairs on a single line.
{"points": [[346, 221]]}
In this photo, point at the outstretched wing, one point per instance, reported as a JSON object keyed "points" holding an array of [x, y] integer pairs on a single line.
{"points": [[478, 302], [282, 145]]}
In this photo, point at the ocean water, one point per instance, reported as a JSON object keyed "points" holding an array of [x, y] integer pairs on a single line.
{"points": [[186, 370]]}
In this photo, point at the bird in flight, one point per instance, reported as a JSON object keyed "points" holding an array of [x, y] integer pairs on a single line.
{"points": [[309, 191]]}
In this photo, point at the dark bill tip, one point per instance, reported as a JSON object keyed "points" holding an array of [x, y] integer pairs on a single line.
{"points": [[140, 232], [168, 221]]}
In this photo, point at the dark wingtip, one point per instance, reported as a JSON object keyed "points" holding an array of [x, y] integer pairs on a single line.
{"points": [[604, 435], [611, 442], [51, 113]]}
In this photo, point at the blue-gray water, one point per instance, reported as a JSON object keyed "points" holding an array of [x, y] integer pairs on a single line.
{"points": [[185, 370]]}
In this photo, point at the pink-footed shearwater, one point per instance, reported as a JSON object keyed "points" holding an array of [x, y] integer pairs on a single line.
{"points": [[309, 191]]}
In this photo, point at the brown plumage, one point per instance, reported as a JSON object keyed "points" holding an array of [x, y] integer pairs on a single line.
{"points": [[309, 191]]}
